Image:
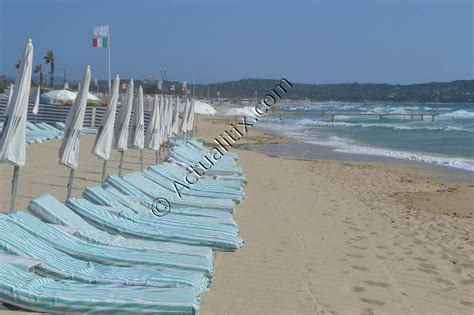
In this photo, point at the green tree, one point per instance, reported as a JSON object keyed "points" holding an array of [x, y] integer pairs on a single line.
{"points": [[39, 69], [49, 58]]}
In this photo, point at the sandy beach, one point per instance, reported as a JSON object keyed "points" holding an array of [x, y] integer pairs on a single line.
{"points": [[321, 236]]}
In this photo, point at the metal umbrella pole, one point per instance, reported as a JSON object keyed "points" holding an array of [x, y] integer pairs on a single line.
{"points": [[141, 158], [16, 171], [104, 170], [69, 185], [121, 163]]}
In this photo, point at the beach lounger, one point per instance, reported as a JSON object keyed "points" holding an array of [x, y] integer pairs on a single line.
{"points": [[18, 241], [202, 184], [194, 191], [153, 190], [198, 146], [231, 180], [110, 222], [142, 213], [52, 210], [84, 250], [188, 157], [31, 292]]}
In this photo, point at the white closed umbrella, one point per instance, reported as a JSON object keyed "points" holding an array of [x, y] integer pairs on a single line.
{"points": [[175, 128], [137, 134], [190, 123], [69, 150], [184, 122], [152, 137], [105, 135], [13, 135], [163, 120], [123, 121], [37, 99], [169, 119], [10, 93]]}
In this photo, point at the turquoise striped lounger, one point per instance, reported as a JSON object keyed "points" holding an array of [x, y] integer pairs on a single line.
{"points": [[56, 264], [34, 293], [51, 210]]}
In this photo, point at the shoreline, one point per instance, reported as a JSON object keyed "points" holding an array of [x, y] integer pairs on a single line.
{"points": [[328, 236], [299, 149]]}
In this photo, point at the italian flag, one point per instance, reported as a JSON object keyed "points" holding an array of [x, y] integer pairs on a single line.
{"points": [[99, 42]]}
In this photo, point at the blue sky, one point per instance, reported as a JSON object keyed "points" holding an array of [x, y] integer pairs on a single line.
{"points": [[304, 41]]}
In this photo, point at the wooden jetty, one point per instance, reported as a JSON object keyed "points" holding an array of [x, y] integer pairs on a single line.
{"points": [[333, 115]]}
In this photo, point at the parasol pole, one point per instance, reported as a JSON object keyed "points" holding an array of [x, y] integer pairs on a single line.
{"points": [[104, 170], [69, 185], [141, 159], [108, 48], [16, 171], [121, 162]]}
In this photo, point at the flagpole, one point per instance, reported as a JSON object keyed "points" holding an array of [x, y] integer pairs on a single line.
{"points": [[108, 48]]}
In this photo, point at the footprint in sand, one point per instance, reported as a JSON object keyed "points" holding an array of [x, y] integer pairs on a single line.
{"points": [[358, 289], [376, 284], [427, 266], [467, 303], [359, 247], [467, 282], [430, 271], [354, 255], [441, 280], [372, 302], [360, 268]]}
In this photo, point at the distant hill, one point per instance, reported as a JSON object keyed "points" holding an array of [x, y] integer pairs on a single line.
{"points": [[461, 91], [455, 92]]}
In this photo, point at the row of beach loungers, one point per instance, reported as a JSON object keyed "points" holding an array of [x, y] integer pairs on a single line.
{"points": [[39, 132], [108, 253]]}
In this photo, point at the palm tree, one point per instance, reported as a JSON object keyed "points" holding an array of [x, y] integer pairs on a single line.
{"points": [[17, 64], [49, 58], [39, 69]]}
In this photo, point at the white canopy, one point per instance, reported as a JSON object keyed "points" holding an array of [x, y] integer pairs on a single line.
{"points": [[60, 96], [121, 128], [69, 150], [13, 135], [200, 108], [105, 135], [152, 137], [65, 96], [240, 111], [137, 135]]}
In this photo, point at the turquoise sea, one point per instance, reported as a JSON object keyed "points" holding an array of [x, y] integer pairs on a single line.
{"points": [[449, 140]]}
